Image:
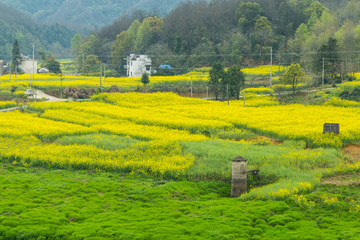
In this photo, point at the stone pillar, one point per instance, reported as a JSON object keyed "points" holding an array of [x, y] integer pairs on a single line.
{"points": [[331, 128], [239, 176]]}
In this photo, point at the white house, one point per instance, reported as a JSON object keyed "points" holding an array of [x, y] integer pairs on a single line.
{"points": [[1, 67], [137, 65], [29, 66]]}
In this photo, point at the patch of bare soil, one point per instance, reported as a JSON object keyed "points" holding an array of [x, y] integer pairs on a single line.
{"points": [[276, 141], [264, 140], [353, 151], [343, 180]]}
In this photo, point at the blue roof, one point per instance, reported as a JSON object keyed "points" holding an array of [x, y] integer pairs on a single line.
{"points": [[166, 66]]}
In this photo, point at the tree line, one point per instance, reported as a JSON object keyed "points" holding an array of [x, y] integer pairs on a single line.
{"points": [[16, 26], [232, 32]]}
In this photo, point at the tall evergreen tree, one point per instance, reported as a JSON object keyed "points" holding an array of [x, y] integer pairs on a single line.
{"points": [[217, 74], [16, 57], [234, 80], [329, 55]]}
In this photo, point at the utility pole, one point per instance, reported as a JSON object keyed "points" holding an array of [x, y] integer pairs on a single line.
{"points": [[100, 77], [271, 62], [227, 93], [83, 59], [244, 96], [191, 94], [104, 73], [279, 62], [323, 71], [346, 67], [33, 62], [61, 94], [10, 71]]}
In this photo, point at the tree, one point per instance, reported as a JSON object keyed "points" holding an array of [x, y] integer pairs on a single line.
{"points": [[145, 79], [123, 45], [43, 56], [217, 73], [91, 46], [237, 45], [148, 32], [91, 64], [49, 62], [52, 65], [348, 43], [16, 57], [247, 14], [234, 80], [301, 34], [262, 32], [329, 55], [292, 76], [76, 50], [76, 42]]}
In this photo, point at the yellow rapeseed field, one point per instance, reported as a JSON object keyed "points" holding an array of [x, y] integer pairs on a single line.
{"points": [[52, 80], [161, 121]]}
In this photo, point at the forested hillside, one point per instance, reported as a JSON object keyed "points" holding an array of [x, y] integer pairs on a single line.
{"points": [[234, 32], [89, 14], [15, 25]]}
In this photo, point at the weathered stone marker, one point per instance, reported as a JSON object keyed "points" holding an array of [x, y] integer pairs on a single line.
{"points": [[239, 176], [331, 128]]}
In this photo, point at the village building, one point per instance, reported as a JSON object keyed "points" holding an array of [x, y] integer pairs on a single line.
{"points": [[29, 66], [1, 67], [137, 65]]}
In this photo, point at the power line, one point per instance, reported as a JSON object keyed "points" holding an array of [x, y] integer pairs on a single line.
{"points": [[224, 55]]}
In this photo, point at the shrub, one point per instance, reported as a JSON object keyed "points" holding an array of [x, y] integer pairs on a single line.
{"points": [[79, 93]]}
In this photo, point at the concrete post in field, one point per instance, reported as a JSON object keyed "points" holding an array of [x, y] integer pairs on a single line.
{"points": [[239, 176]]}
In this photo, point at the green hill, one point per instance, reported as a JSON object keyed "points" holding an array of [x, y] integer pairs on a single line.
{"points": [[15, 25], [88, 14]]}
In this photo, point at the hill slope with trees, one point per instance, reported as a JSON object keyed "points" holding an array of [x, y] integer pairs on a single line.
{"points": [[235, 32], [89, 14], [15, 25]]}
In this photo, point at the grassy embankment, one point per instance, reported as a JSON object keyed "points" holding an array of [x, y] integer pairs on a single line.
{"points": [[60, 204]]}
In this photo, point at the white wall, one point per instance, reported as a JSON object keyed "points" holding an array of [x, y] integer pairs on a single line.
{"points": [[27, 66], [1, 67], [137, 67]]}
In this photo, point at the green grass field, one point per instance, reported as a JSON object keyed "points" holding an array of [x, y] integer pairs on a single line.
{"points": [[301, 192], [60, 204]]}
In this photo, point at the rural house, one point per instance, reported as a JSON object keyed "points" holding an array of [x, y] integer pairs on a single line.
{"points": [[1, 67], [137, 65], [28, 65]]}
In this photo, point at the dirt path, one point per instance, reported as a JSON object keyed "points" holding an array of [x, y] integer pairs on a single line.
{"points": [[353, 151], [342, 180]]}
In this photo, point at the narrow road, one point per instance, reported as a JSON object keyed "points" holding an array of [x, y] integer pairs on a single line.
{"points": [[38, 94], [10, 109]]}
